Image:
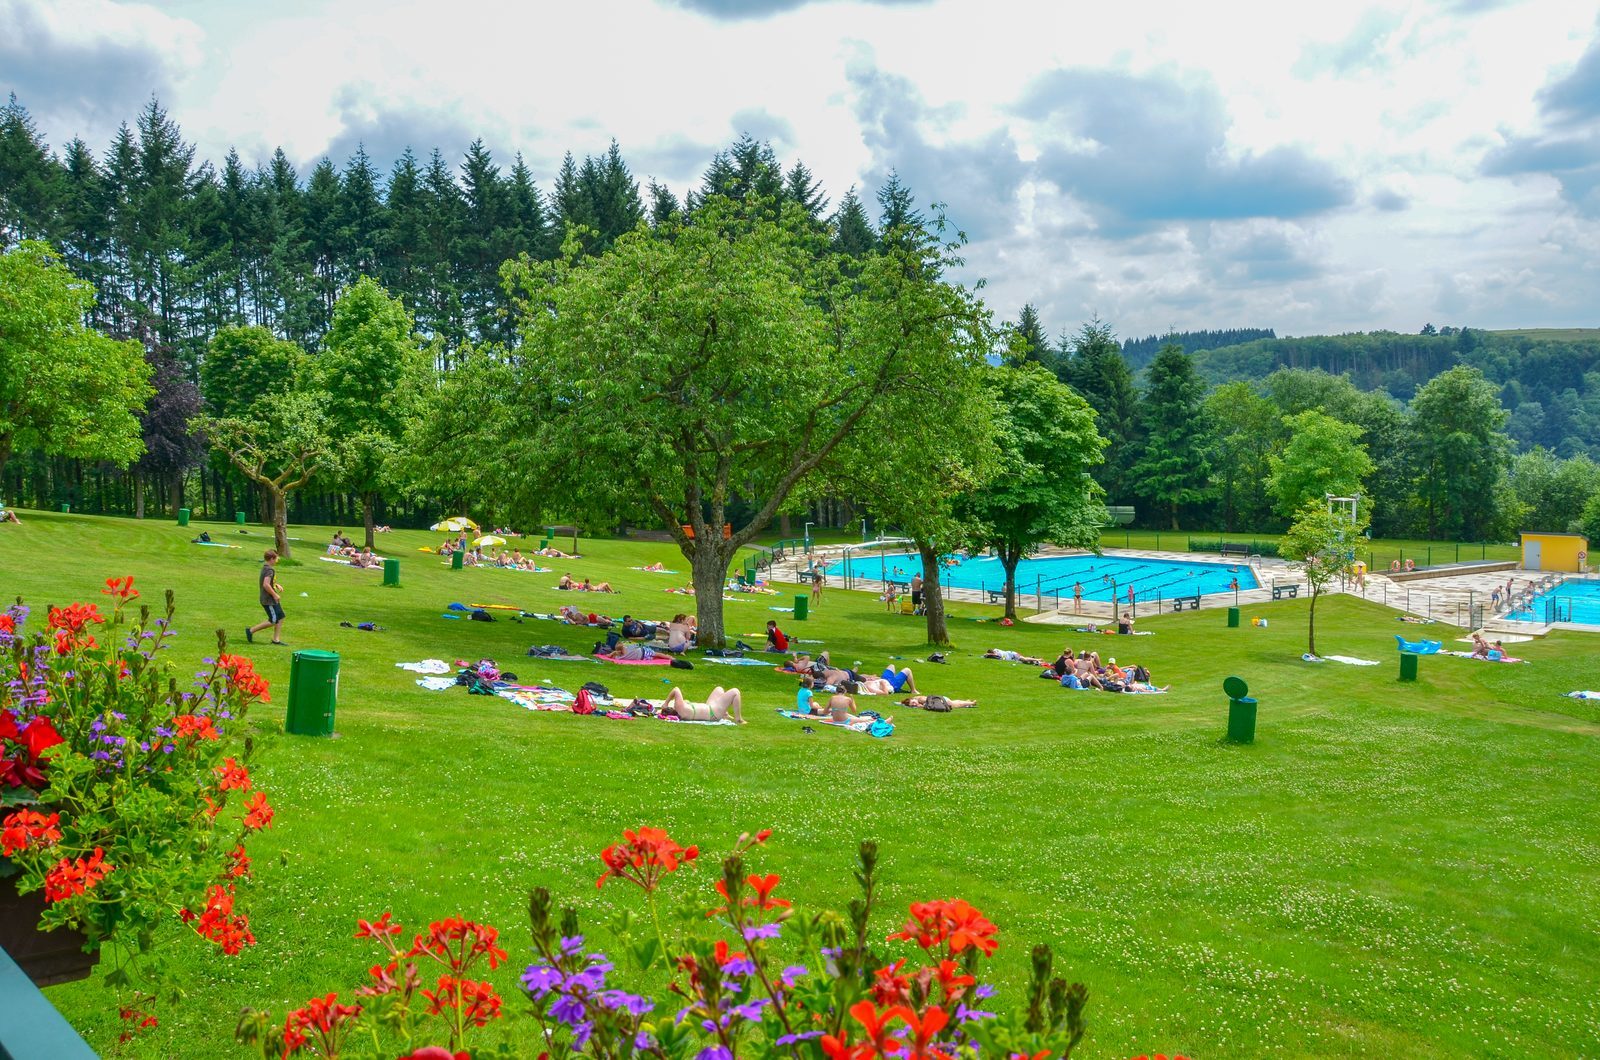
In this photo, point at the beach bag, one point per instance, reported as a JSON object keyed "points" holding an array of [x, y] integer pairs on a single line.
{"points": [[583, 704], [681, 664], [596, 688], [937, 704], [481, 616], [936, 657]]}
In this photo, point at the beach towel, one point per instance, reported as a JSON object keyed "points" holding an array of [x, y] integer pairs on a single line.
{"points": [[1479, 658], [735, 661], [1348, 660], [436, 684], [785, 610], [657, 661], [498, 607], [347, 563], [214, 544], [426, 666], [874, 727], [654, 571], [1582, 695]]}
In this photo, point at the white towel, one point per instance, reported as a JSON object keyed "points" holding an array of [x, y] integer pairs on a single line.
{"points": [[436, 684], [426, 666]]}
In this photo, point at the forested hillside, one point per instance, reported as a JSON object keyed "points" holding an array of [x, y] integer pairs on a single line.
{"points": [[1140, 352]]}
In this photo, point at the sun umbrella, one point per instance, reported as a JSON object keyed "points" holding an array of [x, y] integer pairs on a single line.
{"points": [[488, 539], [454, 524]]}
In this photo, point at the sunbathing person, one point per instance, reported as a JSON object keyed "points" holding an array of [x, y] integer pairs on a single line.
{"points": [[680, 635], [626, 651], [720, 704], [365, 558], [592, 587], [842, 708], [921, 701], [1013, 656], [554, 553], [654, 568], [889, 682], [566, 582]]}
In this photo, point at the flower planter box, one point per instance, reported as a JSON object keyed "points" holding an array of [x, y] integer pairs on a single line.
{"points": [[47, 957]]}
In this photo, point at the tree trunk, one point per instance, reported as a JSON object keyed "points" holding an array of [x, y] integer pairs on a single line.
{"points": [[932, 597], [1009, 561], [138, 495], [1174, 516], [1311, 624], [278, 507], [709, 566], [367, 500], [784, 530], [177, 492]]}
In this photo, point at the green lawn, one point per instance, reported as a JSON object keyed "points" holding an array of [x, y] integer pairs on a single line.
{"points": [[1391, 870]]}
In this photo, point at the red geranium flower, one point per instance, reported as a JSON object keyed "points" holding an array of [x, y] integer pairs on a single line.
{"points": [[457, 943], [75, 876], [27, 828], [197, 725], [258, 814], [231, 776], [476, 1001], [644, 857], [219, 923], [241, 863], [950, 921], [435, 1052], [371, 929], [121, 588]]}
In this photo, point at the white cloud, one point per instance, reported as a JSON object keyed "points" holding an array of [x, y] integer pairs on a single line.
{"points": [[1305, 167]]}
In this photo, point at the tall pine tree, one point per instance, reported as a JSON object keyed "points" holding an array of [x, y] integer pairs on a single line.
{"points": [[1173, 467]]}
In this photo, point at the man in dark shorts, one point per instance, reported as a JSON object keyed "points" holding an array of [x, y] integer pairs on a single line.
{"points": [[271, 600], [916, 593]]}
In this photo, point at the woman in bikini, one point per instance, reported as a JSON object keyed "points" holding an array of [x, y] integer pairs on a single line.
{"points": [[720, 704]]}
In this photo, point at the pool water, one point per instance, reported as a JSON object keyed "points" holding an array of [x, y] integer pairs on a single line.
{"points": [[1571, 601], [1100, 576]]}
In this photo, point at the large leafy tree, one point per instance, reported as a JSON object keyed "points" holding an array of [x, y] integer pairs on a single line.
{"points": [[1093, 365], [1462, 451], [1173, 467], [1552, 491], [1323, 542], [280, 444], [65, 388], [1323, 456], [171, 447], [1043, 490], [1247, 427], [718, 362], [372, 370]]}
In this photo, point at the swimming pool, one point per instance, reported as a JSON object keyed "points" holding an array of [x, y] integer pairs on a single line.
{"points": [[1100, 576], [1571, 601]]}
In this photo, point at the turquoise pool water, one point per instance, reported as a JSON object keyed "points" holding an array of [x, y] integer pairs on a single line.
{"points": [[1100, 576], [1574, 601]]}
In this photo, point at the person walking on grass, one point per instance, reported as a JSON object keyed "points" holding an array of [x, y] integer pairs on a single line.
{"points": [[271, 600], [816, 587]]}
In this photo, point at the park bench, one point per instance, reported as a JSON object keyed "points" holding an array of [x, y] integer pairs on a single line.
{"points": [[1280, 591], [996, 596], [1229, 549], [1191, 602]]}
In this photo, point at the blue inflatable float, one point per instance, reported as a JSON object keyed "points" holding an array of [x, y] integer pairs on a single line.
{"points": [[1419, 647]]}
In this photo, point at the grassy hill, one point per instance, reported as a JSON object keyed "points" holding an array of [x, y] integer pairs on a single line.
{"points": [[1390, 870]]}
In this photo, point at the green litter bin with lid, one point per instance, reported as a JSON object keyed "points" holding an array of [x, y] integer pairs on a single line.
{"points": [[457, 559], [183, 517], [802, 605], [1241, 711], [313, 693], [391, 572], [66, 509], [238, 517], [1233, 618]]}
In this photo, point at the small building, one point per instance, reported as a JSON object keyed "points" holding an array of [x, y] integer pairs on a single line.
{"points": [[1563, 552]]}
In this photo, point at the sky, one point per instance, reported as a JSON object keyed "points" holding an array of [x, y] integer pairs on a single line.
{"points": [[1307, 167]]}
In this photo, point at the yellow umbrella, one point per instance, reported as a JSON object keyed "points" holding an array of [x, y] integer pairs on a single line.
{"points": [[487, 540], [455, 524]]}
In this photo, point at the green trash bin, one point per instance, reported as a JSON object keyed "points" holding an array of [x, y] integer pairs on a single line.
{"points": [[183, 517], [313, 693], [238, 517], [802, 605], [1233, 618], [66, 509], [391, 572], [1242, 720], [1408, 666], [458, 558]]}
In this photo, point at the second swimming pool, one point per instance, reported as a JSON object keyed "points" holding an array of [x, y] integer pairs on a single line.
{"points": [[1100, 576], [1571, 601]]}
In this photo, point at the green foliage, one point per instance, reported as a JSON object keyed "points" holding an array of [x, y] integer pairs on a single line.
{"points": [[1043, 490], [1324, 544], [1462, 452], [1553, 492], [1093, 365], [1029, 340], [64, 388], [1247, 429], [246, 366], [1323, 456], [1173, 466]]}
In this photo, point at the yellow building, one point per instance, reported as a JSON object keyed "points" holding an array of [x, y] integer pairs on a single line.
{"points": [[1564, 552]]}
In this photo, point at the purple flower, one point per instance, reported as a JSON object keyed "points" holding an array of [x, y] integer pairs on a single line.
{"points": [[540, 979], [739, 966], [643, 1041], [714, 1052], [965, 1014], [788, 976], [632, 1004], [750, 1010], [762, 931], [569, 1010], [580, 1034], [571, 945], [984, 990], [803, 1036]]}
